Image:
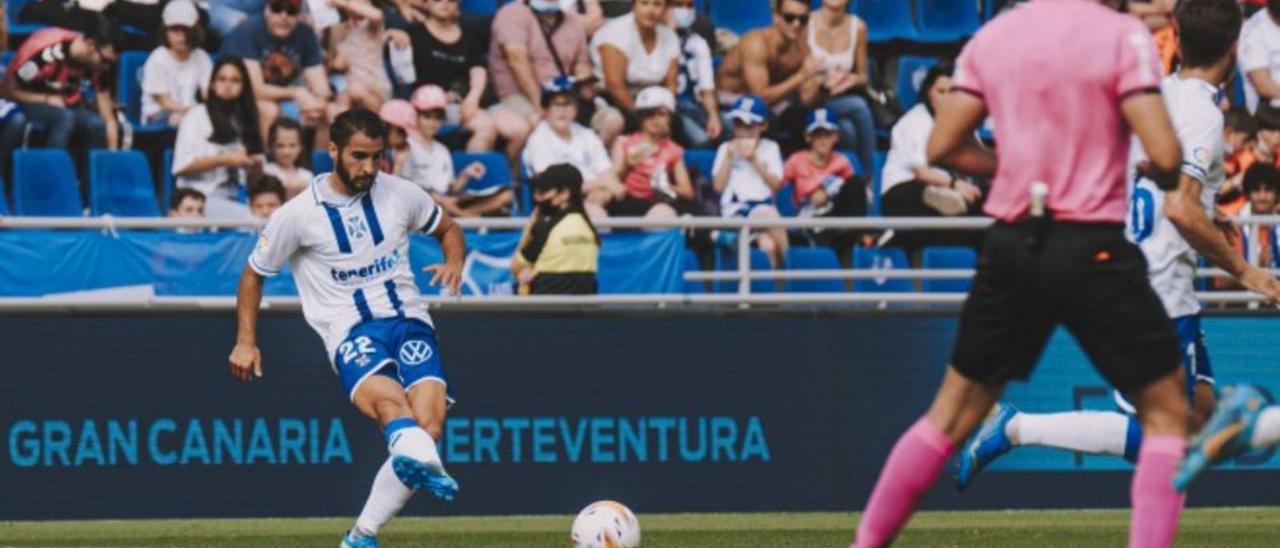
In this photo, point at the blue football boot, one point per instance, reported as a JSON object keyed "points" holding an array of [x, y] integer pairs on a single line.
{"points": [[363, 542], [986, 445], [1226, 435], [419, 475]]}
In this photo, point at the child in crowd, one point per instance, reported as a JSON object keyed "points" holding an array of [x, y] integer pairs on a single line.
{"points": [[1239, 136], [1257, 243], [402, 120], [823, 179], [650, 163], [559, 250], [355, 55], [266, 195], [747, 172], [430, 165], [1260, 150], [176, 74], [284, 139]]}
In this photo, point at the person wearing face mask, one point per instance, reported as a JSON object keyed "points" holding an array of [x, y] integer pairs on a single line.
{"points": [[559, 251], [697, 110], [1259, 55]]}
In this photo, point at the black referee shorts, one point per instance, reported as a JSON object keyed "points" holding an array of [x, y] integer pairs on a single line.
{"points": [[1087, 277]]}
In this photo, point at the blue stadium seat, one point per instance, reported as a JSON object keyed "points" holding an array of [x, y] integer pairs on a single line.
{"points": [[321, 162], [166, 184], [948, 20], [120, 184], [44, 184], [4, 202], [887, 19], [742, 16], [1237, 90], [853, 160], [129, 89], [727, 261], [12, 9], [689, 263], [890, 258], [480, 7], [700, 159], [949, 258], [873, 208], [813, 258], [497, 172], [911, 71], [785, 200], [5, 59]]}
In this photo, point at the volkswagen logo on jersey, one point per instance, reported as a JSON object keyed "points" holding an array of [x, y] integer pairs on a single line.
{"points": [[356, 227], [415, 352]]}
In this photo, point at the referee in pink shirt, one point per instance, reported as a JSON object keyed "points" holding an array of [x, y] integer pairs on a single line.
{"points": [[1065, 82]]}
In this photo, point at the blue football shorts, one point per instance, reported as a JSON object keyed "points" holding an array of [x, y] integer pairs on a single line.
{"points": [[402, 349]]}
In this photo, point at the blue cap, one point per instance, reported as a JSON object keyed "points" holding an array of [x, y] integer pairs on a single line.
{"points": [[556, 86], [749, 109], [820, 118]]}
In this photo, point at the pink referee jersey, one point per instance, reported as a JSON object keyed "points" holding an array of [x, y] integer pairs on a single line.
{"points": [[1052, 74]]}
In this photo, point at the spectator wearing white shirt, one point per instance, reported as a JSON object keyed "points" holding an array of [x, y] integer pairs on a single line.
{"points": [[560, 140], [285, 141], [176, 74], [697, 108], [633, 52], [430, 165], [910, 187], [1259, 55], [748, 172], [218, 141]]}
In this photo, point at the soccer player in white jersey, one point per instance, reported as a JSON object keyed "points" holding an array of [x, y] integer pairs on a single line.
{"points": [[346, 238], [1170, 228]]}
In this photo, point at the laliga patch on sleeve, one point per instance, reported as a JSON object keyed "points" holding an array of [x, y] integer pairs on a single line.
{"points": [[1200, 155]]}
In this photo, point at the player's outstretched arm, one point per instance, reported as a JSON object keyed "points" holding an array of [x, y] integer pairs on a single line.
{"points": [[449, 274], [953, 144], [1182, 207], [245, 360]]}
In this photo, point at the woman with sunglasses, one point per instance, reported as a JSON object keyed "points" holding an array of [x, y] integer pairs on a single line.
{"points": [[838, 41]]}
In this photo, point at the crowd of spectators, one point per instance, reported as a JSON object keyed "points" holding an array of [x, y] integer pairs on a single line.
{"points": [[619, 90]]}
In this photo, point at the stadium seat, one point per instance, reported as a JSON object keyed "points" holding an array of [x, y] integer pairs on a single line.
{"points": [[785, 200], [12, 9], [44, 184], [873, 207], [888, 258], [701, 160], [911, 71], [4, 202], [689, 263], [321, 162], [887, 19], [480, 7], [166, 180], [120, 184], [497, 172], [727, 261], [129, 88], [949, 258], [5, 59], [742, 16], [813, 258], [948, 20]]}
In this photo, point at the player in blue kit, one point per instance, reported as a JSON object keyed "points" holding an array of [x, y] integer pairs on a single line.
{"points": [[346, 239]]}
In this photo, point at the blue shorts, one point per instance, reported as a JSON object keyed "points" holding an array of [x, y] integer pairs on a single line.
{"points": [[404, 350], [1195, 358]]}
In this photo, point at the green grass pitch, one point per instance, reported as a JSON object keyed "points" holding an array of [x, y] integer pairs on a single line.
{"points": [[1234, 527]]}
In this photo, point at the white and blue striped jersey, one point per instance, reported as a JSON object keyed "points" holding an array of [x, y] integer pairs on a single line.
{"points": [[349, 254], [1197, 121]]}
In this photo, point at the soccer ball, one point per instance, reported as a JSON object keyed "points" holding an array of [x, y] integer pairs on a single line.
{"points": [[606, 524]]}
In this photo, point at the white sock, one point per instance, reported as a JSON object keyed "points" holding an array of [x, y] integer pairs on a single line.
{"points": [[1267, 430], [1096, 432], [387, 497], [405, 438]]}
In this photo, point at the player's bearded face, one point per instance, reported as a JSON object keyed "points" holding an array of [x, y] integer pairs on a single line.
{"points": [[357, 163]]}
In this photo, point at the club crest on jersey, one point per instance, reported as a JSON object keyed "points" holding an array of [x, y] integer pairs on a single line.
{"points": [[356, 227], [415, 352]]}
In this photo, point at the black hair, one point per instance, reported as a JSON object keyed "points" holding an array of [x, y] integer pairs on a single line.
{"points": [[1238, 119], [567, 177], [103, 32], [944, 67], [181, 194], [287, 124], [777, 4], [195, 35], [357, 120], [1207, 30], [1261, 175], [267, 184], [236, 119], [1267, 116]]}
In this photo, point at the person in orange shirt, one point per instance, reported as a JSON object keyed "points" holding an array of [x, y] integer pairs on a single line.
{"points": [[1262, 149], [1158, 16]]}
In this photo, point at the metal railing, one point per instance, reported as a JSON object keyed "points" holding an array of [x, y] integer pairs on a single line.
{"points": [[743, 275]]}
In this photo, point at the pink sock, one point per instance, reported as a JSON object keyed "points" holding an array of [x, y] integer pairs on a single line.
{"points": [[1156, 506], [913, 466]]}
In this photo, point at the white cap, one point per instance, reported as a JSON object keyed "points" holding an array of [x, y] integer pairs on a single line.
{"points": [[180, 13], [655, 97]]}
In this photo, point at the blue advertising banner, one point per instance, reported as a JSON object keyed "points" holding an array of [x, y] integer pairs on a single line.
{"points": [[209, 264], [136, 415]]}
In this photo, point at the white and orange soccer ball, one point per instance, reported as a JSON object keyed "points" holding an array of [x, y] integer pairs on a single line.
{"points": [[606, 524]]}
